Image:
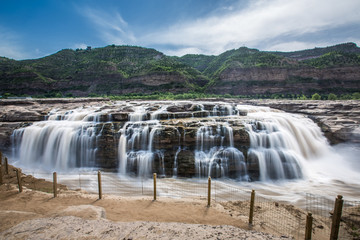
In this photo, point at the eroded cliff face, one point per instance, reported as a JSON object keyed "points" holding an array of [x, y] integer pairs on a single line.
{"points": [[85, 83], [249, 81], [284, 74]]}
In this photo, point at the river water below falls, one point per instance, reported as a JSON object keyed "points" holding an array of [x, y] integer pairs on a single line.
{"points": [[280, 154]]}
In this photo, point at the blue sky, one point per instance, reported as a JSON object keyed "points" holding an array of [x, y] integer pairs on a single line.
{"points": [[36, 28]]}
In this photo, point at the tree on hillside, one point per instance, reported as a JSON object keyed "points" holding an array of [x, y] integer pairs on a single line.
{"points": [[315, 96], [332, 96]]}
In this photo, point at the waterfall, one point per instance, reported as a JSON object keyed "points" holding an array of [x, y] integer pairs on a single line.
{"points": [[64, 141], [135, 151], [215, 155], [282, 143], [139, 138], [175, 168]]}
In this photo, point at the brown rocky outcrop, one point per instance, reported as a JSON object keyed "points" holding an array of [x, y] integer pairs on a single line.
{"points": [[82, 84], [286, 74]]}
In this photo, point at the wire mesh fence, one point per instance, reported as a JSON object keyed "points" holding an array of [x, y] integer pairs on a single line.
{"points": [[224, 191], [126, 187], [182, 188], [36, 181], [350, 225], [271, 216], [279, 218], [322, 209]]}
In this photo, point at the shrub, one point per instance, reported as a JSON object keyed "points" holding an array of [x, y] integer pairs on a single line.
{"points": [[332, 96], [315, 96], [302, 97], [356, 95]]}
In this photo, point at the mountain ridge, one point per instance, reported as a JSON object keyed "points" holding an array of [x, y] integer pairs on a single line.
{"points": [[118, 70]]}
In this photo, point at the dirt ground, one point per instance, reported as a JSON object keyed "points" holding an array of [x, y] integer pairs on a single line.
{"points": [[36, 214]]}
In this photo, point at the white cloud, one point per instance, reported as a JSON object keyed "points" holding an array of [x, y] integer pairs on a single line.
{"points": [[80, 46], [9, 51], [261, 21], [182, 51], [112, 27], [266, 24], [294, 46], [9, 46]]}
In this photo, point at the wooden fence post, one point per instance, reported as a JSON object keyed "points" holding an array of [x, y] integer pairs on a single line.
{"points": [[18, 175], [154, 176], [252, 203], [308, 227], [1, 175], [336, 218], [6, 166], [55, 184], [99, 184], [209, 191]]}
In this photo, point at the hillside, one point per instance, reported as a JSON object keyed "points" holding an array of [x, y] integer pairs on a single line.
{"points": [[112, 69], [120, 70], [317, 52]]}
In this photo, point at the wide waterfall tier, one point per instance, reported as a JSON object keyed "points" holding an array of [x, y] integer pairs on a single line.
{"points": [[173, 139]]}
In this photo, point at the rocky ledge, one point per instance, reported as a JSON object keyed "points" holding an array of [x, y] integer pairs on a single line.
{"points": [[339, 120], [17, 113]]}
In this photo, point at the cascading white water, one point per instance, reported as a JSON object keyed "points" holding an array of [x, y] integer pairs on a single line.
{"points": [[65, 140], [283, 143], [215, 153], [135, 146], [175, 168], [222, 110]]}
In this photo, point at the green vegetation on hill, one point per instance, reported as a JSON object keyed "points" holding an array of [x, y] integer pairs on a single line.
{"points": [[317, 52], [244, 58], [128, 61], [124, 70], [213, 66], [333, 59], [196, 95], [198, 61]]}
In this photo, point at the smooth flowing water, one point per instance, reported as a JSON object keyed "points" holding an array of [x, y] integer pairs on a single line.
{"points": [[285, 155]]}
